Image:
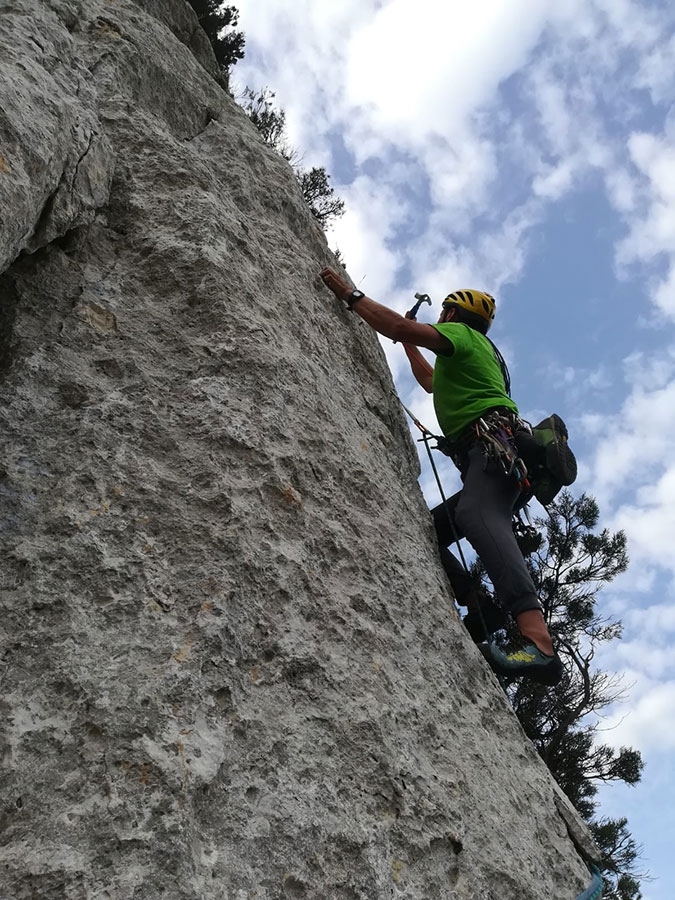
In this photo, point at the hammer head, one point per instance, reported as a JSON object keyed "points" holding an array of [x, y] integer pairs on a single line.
{"points": [[423, 298]]}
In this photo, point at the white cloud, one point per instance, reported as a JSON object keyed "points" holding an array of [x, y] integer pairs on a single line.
{"points": [[633, 443], [647, 725], [651, 218], [655, 623], [631, 471], [650, 522], [647, 370], [656, 72], [460, 174], [426, 69], [643, 719], [364, 234], [554, 181], [621, 190]]}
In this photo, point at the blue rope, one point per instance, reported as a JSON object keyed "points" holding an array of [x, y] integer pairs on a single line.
{"points": [[594, 890]]}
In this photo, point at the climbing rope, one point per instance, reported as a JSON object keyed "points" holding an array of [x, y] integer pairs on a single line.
{"points": [[428, 436], [594, 889]]}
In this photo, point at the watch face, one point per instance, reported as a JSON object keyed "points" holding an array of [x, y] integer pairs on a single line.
{"points": [[356, 295]]}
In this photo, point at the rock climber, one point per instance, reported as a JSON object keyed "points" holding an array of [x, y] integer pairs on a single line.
{"points": [[468, 384]]}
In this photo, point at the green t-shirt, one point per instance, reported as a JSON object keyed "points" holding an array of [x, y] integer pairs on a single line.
{"points": [[467, 383]]}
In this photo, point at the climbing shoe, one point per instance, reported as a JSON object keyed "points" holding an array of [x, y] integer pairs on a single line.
{"points": [[491, 618], [527, 661]]}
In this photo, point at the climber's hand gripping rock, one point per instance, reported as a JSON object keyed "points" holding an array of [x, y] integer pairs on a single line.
{"points": [[335, 283]]}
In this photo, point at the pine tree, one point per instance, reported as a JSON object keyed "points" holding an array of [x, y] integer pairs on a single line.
{"points": [[569, 568], [619, 858]]}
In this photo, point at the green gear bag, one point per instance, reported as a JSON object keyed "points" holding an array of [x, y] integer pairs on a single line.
{"points": [[557, 464]]}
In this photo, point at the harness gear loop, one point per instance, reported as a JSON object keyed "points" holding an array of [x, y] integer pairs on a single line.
{"points": [[496, 432]]}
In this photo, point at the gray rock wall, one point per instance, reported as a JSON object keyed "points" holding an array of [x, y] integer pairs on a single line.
{"points": [[229, 662]]}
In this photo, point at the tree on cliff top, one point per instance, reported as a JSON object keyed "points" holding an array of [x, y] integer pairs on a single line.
{"points": [[218, 21]]}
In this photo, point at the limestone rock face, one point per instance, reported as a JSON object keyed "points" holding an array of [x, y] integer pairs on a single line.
{"points": [[230, 665], [56, 162]]}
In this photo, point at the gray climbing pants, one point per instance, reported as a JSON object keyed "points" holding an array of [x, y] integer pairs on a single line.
{"points": [[482, 513]]}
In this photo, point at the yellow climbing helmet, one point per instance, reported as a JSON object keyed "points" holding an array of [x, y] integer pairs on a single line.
{"points": [[477, 302]]}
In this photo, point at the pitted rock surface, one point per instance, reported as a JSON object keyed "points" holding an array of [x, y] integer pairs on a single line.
{"points": [[230, 664]]}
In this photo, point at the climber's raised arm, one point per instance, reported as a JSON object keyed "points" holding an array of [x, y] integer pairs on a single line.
{"points": [[421, 369], [384, 320]]}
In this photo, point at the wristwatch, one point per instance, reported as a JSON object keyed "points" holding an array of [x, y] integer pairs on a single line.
{"points": [[353, 297]]}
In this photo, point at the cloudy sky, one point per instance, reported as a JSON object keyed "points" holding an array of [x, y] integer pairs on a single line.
{"points": [[507, 147]]}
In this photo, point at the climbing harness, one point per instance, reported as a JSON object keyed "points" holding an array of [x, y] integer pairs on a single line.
{"points": [[496, 432]]}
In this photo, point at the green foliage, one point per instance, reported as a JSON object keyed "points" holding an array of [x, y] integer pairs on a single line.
{"points": [[270, 121], [314, 182], [620, 854], [569, 569], [218, 22], [319, 195]]}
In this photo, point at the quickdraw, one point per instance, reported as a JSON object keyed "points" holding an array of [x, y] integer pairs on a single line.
{"points": [[529, 539], [495, 431]]}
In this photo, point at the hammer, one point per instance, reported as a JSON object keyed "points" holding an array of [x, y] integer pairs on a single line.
{"points": [[412, 313], [421, 298]]}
